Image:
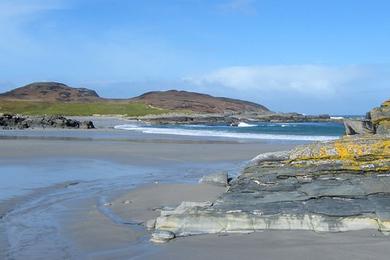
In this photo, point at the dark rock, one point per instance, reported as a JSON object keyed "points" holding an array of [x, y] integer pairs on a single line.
{"points": [[8, 121]]}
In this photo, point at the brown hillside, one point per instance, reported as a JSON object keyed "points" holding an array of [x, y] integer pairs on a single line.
{"points": [[170, 100], [196, 102], [51, 91]]}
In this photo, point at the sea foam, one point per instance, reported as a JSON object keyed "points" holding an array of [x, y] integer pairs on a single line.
{"points": [[223, 134]]}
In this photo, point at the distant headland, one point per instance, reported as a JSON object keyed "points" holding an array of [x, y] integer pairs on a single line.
{"points": [[160, 107]]}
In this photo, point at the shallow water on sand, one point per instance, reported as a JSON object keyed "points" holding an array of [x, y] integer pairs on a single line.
{"points": [[33, 226], [16, 180]]}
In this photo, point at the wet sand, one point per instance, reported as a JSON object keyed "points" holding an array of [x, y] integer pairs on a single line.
{"points": [[145, 202], [146, 152], [95, 236], [85, 230], [294, 245], [111, 241]]}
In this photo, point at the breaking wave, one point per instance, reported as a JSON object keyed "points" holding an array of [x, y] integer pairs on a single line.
{"points": [[224, 134]]}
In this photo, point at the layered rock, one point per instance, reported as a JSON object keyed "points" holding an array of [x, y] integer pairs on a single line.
{"points": [[331, 186], [380, 118], [377, 121], [23, 122], [335, 186]]}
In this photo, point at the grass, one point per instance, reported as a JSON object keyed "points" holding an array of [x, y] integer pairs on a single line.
{"points": [[125, 108]]}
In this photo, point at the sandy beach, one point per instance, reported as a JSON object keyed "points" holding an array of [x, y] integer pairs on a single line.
{"points": [[122, 182], [102, 164]]}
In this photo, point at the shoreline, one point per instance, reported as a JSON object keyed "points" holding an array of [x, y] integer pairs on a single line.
{"points": [[93, 219], [171, 160]]}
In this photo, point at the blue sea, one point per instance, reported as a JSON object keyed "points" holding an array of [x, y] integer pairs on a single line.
{"points": [[255, 130]]}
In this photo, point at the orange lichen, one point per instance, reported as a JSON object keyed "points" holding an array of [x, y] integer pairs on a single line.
{"points": [[358, 154]]}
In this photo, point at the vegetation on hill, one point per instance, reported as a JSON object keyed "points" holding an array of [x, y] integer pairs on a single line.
{"points": [[54, 98], [78, 109]]}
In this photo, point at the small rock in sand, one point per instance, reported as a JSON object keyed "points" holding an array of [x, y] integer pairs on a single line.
{"points": [[126, 202], [162, 236]]}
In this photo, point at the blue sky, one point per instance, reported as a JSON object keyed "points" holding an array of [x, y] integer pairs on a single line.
{"points": [[322, 56]]}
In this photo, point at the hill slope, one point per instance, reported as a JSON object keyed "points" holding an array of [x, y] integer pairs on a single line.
{"points": [[196, 102], [57, 98], [51, 91]]}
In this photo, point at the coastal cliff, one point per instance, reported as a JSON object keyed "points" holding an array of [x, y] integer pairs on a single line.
{"points": [[331, 186]]}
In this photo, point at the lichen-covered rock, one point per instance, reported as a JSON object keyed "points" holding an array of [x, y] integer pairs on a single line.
{"points": [[377, 121], [362, 154], [381, 113], [383, 127], [329, 186]]}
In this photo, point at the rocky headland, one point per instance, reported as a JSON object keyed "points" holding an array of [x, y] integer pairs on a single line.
{"points": [[8, 122], [331, 186]]}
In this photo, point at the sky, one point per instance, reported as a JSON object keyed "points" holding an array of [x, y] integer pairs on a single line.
{"points": [[312, 57]]}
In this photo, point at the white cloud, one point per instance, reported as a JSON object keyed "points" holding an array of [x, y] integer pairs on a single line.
{"points": [[314, 80]]}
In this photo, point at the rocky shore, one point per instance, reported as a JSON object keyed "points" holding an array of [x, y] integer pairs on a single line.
{"points": [[8, 121], [332, 186], [233, 119]]}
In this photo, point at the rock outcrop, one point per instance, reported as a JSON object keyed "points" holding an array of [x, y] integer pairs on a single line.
{"points": [[331, 186], [377, 121], [231, 119], [380, 118], [23, 122]]}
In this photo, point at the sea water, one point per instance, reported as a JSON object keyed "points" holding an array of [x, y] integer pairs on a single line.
{"points": [[312, 131]]}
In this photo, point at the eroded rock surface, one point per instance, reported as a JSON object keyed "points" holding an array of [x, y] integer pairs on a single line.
{"points": [[330, 186]]}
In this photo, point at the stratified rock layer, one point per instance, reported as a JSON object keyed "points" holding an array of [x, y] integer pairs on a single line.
{"points": [[377, 121], [380, 118], [334, 186]]}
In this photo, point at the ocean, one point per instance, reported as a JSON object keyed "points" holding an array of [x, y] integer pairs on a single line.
{"points": [[311, 131]]}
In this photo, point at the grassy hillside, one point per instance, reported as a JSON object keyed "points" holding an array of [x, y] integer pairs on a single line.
{"points": [[78, 109]]}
